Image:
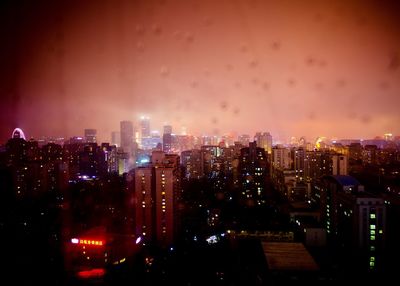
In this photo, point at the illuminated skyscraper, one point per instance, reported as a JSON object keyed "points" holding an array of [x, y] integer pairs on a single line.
{"points": [[264, 140], [156, 190]]}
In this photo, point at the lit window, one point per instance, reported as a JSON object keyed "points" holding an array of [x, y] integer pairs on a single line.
{"points": [[372, 237], [372, 226], [372, 216], [372, 231]]}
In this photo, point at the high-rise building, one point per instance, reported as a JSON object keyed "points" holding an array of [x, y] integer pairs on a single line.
{"points": [[191, 161], [156, 191], [253, 169], [244, 139], [145, 126], [167, 139], [116, 138], [126, 136], [355, 220], [90, 135], [264, 140]]}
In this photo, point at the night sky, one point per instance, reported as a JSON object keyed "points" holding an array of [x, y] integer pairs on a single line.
{"points": [[293, 68]]}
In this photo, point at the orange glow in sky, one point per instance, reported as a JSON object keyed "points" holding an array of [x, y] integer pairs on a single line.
{"points": [[293, 68]]}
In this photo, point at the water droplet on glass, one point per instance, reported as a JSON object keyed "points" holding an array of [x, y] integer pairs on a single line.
{"points": [[164, 71], [224, 105]]}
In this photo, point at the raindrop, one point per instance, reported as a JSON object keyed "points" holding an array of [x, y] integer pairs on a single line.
{"points": [[189, 38], [214, 120], [322, 63], [311, 115], [276, 45], [207, 21], [291, 82], [140, 46], [243, 48], [224, 105], [157, 29], [206, 72], [194, 84], [265, 86], [384, 85], [229, 67], [236, 110], [255, 81], [366, 119], [352, 115], [394, 62], [253, 63], [319, 86], [318, 18], [139, 29], [164, 71], [178, 35], [341, 82], [310, 61], [237, 85]]}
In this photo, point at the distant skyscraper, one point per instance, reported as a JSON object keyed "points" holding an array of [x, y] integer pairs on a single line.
{"points": [[126, 136], [264, 140], [244, 139], [145, 126], [116, 138], [90, 135], [167, 139]]}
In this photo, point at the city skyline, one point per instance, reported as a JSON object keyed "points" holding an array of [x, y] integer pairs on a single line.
{"points": [[310, 69]]}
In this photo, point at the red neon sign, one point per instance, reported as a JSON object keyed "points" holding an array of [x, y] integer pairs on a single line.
{"points": [[87, 241]]}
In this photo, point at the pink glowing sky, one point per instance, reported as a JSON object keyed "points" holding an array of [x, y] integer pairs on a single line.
{"points": [[293, 68]]}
